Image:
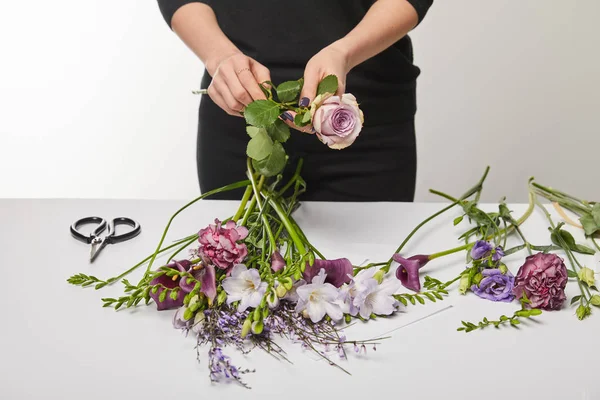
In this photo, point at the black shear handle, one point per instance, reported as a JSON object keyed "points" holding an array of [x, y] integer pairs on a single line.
{"points": [[112, 238], [88, 220]]}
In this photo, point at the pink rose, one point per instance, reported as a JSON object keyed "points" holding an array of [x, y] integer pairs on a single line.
{"points": [[220, 245], [337, 121], [543, 278]]}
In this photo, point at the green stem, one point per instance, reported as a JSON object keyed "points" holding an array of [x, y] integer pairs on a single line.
{"points": [[242, 207], [288, 225], [249, 211], [183, 247], [136, 266], [232, 186], [558, 192], [293, 178], [595, 243], [257, 188]]}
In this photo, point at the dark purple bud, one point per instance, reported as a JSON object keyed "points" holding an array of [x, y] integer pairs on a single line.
{"points": [[277, 262], [408, 271]]}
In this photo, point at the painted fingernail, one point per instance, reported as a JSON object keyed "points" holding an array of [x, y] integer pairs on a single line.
{"points": [[287, 116], [304, 101], [313, 130]]}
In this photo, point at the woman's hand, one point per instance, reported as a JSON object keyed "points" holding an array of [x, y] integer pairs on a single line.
{"points": [[332, 60], [235, 82]]}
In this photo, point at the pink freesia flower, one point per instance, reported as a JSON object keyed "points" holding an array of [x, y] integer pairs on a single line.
{"points": [[220, 244], [543, 279], [336, 120]]}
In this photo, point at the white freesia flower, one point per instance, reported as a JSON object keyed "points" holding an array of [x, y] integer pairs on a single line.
{"points": [[359, 284], [244, 285], [319, 298], [377, 298]]}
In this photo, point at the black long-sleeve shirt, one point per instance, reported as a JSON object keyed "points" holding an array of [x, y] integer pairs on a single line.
{"points": [[283, 35]]}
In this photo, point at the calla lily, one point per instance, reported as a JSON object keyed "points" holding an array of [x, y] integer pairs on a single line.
{"points": [[408, 271], [338, 271], [206, 276], [169, 283]]}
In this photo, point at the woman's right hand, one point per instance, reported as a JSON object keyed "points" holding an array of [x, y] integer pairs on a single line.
{"points": [[235, 82]]}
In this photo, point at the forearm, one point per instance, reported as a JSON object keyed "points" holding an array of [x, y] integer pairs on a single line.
{"points": [[197, 26], [386, 22]]}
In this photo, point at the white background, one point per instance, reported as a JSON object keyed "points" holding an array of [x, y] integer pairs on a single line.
{"points": [[95, 99]]}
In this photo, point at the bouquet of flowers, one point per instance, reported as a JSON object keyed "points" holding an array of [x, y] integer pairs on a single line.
{"points": [[254, 276]]}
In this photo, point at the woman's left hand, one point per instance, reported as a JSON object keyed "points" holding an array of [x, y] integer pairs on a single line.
{"points": [[332, 60]]}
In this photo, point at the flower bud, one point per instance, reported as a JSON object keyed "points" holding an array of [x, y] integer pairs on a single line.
{"points": [[477, 278], [586, 275], [287, 283], [297, 275], [188, 314], [464, 284], [281, 291], [257, 327], [221, 297], [583, 311], [246, 327], [595, 300], [503, 268], [194, 300], [272, 300], [379, 276]]}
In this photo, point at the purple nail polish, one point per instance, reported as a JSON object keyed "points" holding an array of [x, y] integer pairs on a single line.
{"points": [[287, 116], [304, 101]]}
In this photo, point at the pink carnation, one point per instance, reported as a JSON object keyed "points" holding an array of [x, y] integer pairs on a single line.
{"points": [[220, 244], [543, 279]]}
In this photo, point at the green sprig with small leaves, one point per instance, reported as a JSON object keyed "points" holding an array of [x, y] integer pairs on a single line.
{"points": [[514, 320]]}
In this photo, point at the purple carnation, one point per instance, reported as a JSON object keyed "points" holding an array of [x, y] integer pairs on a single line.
{"points": [[495, 286]]}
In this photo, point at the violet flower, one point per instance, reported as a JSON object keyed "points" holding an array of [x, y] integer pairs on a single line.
{"points": [[169, 283], [338, 271], [408, 271], [480, 250], [495, 286]]}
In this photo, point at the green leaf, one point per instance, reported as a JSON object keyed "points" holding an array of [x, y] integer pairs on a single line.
{"points": [[274, 163], [596, 213], [288, 91], [503, 318], [279, 131], [299, 119], [575, 299], [402, 300], [307, 118], [412, 300], [260, 146], [253, 130], [579, 248], [515, 322], [535, 311], [261, 113], [329, 84], [419, 299], [162, 296], [590, 225], [462, 328], [571, 274], [100, 285], [568, 238], [522, 313], [458, 220], [430, 296], [439, 296]]}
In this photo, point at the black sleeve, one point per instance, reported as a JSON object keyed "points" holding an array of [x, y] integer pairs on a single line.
{"points": [[168, 7], [421, 6]]}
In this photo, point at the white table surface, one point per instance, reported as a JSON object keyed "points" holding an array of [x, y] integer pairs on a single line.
{"points": [[57, 342]]}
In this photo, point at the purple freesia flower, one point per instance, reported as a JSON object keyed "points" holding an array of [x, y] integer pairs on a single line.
{"points": [[408, 271], [169, 283], [481, 249], [338, 271], [495, 286]]}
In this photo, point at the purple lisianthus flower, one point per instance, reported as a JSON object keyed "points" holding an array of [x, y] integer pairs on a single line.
{"points": [[169, 283], [495, 286], [480, 250], [338, 271], [408, 271], [498, 254]]}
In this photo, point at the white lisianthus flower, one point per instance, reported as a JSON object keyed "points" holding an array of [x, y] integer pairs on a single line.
{"points": [[377, 298], [319, 298], [244, 285]]}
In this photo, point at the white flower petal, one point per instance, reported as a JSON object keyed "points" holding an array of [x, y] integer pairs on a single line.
{"points": [[237, 270], [316, 310], [334, 311]]}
